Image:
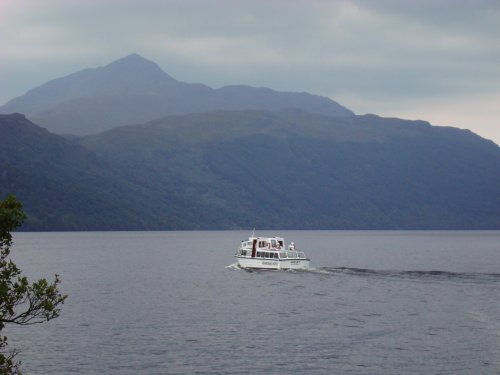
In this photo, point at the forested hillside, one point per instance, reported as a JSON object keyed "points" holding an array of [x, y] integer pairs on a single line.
{"points": [[243, 169]]}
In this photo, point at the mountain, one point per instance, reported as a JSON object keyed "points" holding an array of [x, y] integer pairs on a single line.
{"points": [[285, 169], [64, 186], [298, 170], [135, 90]]}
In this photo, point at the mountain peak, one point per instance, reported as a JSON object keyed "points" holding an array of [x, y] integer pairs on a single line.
{"points": [[130, 74], [136, 65], [133, 56], [132, 59], [133, 89]]}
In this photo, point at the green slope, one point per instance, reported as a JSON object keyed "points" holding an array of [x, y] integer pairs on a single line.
{"points": [[296, 170], [63, 186], [245, 169]]}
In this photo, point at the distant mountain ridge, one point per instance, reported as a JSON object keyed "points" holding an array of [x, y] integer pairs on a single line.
{"points": [[242, 169], [135, 90], [232, 158]]}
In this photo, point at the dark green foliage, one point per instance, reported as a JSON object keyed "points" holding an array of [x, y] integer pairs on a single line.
{"points": [[398, 184], [245, 169], [64, 186], [21, 303]]}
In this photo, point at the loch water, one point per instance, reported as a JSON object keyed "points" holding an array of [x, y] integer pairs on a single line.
{"points": [[174, 303]]}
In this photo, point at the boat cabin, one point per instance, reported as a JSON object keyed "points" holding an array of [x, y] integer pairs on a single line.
{"points": [[268, 248]]}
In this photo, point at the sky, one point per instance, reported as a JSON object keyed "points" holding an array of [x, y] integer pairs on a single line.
{"points": [[433, 60]]}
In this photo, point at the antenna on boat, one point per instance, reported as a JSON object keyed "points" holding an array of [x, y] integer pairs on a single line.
{"points": [[253, 232]]}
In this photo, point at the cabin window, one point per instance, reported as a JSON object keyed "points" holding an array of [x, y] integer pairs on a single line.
{"points": [[243, 252], [273, 243], [267, 255], [258, 254], [275, 255], [282, 255]]}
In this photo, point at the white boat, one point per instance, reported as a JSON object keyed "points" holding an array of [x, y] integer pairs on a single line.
{"points": [[270, 253]]}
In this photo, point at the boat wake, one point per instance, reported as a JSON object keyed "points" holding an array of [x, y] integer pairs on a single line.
{"points": [[391, 274], [235, 267], [420, 275]]}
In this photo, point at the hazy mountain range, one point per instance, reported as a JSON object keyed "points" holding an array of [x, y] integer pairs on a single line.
{"points": [[134, 90], [290, 161]]}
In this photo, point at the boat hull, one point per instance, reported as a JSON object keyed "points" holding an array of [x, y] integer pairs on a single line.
{"points": [[273, 264]]}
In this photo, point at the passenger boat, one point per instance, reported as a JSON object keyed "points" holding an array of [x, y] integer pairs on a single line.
{"points": [[270, 253]]}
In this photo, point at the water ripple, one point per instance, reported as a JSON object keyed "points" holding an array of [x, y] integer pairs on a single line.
{"points": [[434, 275]]}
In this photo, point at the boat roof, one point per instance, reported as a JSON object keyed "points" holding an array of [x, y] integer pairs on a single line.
{"points": [[265, 238]]}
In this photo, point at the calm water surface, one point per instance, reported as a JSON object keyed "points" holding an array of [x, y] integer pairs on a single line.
{"points": [[171, 303]]}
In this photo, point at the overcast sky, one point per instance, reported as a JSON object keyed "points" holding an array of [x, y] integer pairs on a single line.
{"points": [[432, 60]]}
